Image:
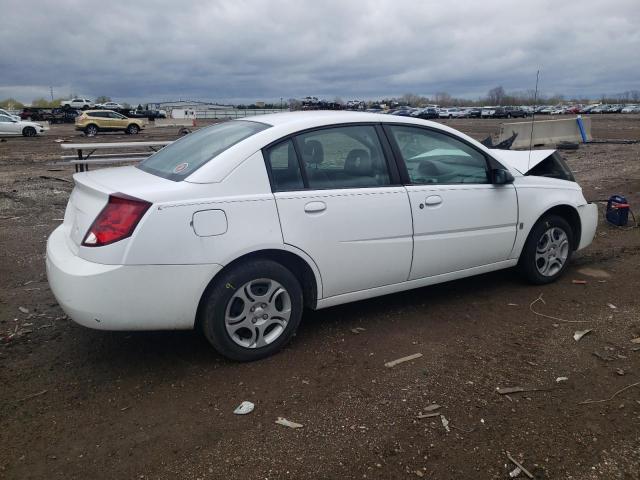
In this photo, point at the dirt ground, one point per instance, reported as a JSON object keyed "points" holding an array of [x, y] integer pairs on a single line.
{"points": [[77, 403]]}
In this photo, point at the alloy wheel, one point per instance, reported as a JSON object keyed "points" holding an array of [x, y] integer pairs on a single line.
{"points": [[258, 313]]}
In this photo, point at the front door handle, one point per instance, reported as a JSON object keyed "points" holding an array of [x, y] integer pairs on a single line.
{"points": [[433, 200], [315, 207]]}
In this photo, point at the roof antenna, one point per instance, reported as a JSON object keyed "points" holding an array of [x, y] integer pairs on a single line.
{"points": [[533, 116]]}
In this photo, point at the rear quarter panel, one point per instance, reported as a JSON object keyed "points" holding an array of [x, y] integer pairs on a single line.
{"points": [[167, 236]]}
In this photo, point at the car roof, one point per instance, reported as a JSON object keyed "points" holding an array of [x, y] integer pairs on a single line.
{"points": [[284, 124]]}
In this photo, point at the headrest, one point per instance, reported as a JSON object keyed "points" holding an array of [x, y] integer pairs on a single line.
{"points": [[312, 152], [358, 162], [428, 168]]}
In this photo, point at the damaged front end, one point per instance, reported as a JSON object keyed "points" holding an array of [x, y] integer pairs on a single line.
{"points": [[539, 163]]}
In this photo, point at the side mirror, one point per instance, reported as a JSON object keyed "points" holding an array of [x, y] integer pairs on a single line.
{"points": [[500, 176]]}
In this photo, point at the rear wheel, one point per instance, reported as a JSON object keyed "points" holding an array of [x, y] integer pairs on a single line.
{"points": [[252, 310], [547, 251], [91, 130], [133, 129], [29, 132]]}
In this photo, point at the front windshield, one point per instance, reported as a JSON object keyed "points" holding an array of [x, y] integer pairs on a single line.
{"points": [[183, 157]]}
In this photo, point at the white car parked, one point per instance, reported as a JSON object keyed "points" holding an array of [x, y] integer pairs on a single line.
{"points": [[109, 106], [235, 228], [11, 126], [78, 103]]}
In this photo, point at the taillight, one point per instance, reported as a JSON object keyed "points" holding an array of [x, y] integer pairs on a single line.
{"points": [[117, 220]]}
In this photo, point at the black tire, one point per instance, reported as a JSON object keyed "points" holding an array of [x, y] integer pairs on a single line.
{"points": [[29, 132], [527, 263], [508, 115], [91, 130], [133, 129], [217, 296], [85, 107]]}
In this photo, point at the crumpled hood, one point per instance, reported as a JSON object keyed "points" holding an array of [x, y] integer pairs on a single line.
{"points": [[521, 160]]}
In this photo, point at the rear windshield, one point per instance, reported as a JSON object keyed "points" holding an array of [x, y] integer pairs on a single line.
{"points": [[181, 158]]}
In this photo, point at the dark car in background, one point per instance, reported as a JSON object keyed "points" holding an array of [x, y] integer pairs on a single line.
{"points": [[51, 115], [474, 112], [514, 112], [426, 113]]}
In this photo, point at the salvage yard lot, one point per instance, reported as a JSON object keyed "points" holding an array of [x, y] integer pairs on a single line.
{"points": [[77, 403]]}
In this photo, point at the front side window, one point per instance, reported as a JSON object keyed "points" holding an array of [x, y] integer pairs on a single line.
{"points": [[343, 157], [5, 119], [184, 156], [433, 157]]}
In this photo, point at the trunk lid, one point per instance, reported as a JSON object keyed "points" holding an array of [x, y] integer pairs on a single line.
{"points": [[92, 190]]}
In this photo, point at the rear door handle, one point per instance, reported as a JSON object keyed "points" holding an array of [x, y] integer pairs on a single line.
{"points": [[315, 207], [433, 200]]}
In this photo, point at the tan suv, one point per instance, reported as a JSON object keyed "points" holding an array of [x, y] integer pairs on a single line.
{"points": [[93, 121]]}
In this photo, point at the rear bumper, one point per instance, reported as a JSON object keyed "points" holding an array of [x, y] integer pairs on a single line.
{"points": [[125, 297], [589, 222]]}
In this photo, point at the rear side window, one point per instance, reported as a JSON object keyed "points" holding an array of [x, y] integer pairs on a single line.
{"points": [[183, 157], [285, 168], [343, 157]]}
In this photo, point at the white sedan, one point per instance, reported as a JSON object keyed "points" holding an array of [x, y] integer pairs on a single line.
{"points": [[236, 228], [109, 106], [11, 126]]}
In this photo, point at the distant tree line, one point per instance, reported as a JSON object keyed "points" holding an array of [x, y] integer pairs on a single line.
{"points": [[498, 96], [495, 96]]}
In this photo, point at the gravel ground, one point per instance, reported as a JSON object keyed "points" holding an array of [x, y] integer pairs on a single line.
{"points": [[77, 403]]}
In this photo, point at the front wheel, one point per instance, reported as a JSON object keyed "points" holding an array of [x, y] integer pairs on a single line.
{"points": [[547, 251], [29, 132], [252, 310]]}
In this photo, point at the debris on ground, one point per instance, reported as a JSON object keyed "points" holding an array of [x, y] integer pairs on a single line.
{"points": [[508, 390], [428, 415], [635, 340], [611, 306], [515, 472], [620, 371], [357, 330], [519, 465], [432, 407], [445, 423], [398, 361], [33, 395], [23, 310], [612, 396], [540, 299], [577, 336], [579, 282], [288, 423], [561, 379], [594, 272], [244, 408]]}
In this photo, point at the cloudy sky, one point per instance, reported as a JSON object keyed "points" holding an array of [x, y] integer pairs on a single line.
{"points": [[248, 50]]}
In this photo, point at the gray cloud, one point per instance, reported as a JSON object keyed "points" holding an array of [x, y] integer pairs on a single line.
{"points": [[246, 50]]}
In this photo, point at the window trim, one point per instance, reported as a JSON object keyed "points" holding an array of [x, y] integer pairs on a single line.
{"points": [[395, 179], [490, 162]]}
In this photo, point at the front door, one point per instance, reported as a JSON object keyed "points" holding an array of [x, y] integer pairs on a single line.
{"points": [[339, 202], [460, 220]]}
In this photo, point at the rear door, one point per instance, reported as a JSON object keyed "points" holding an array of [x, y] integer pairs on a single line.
{"points": [[460, 219], [341, 202]]}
